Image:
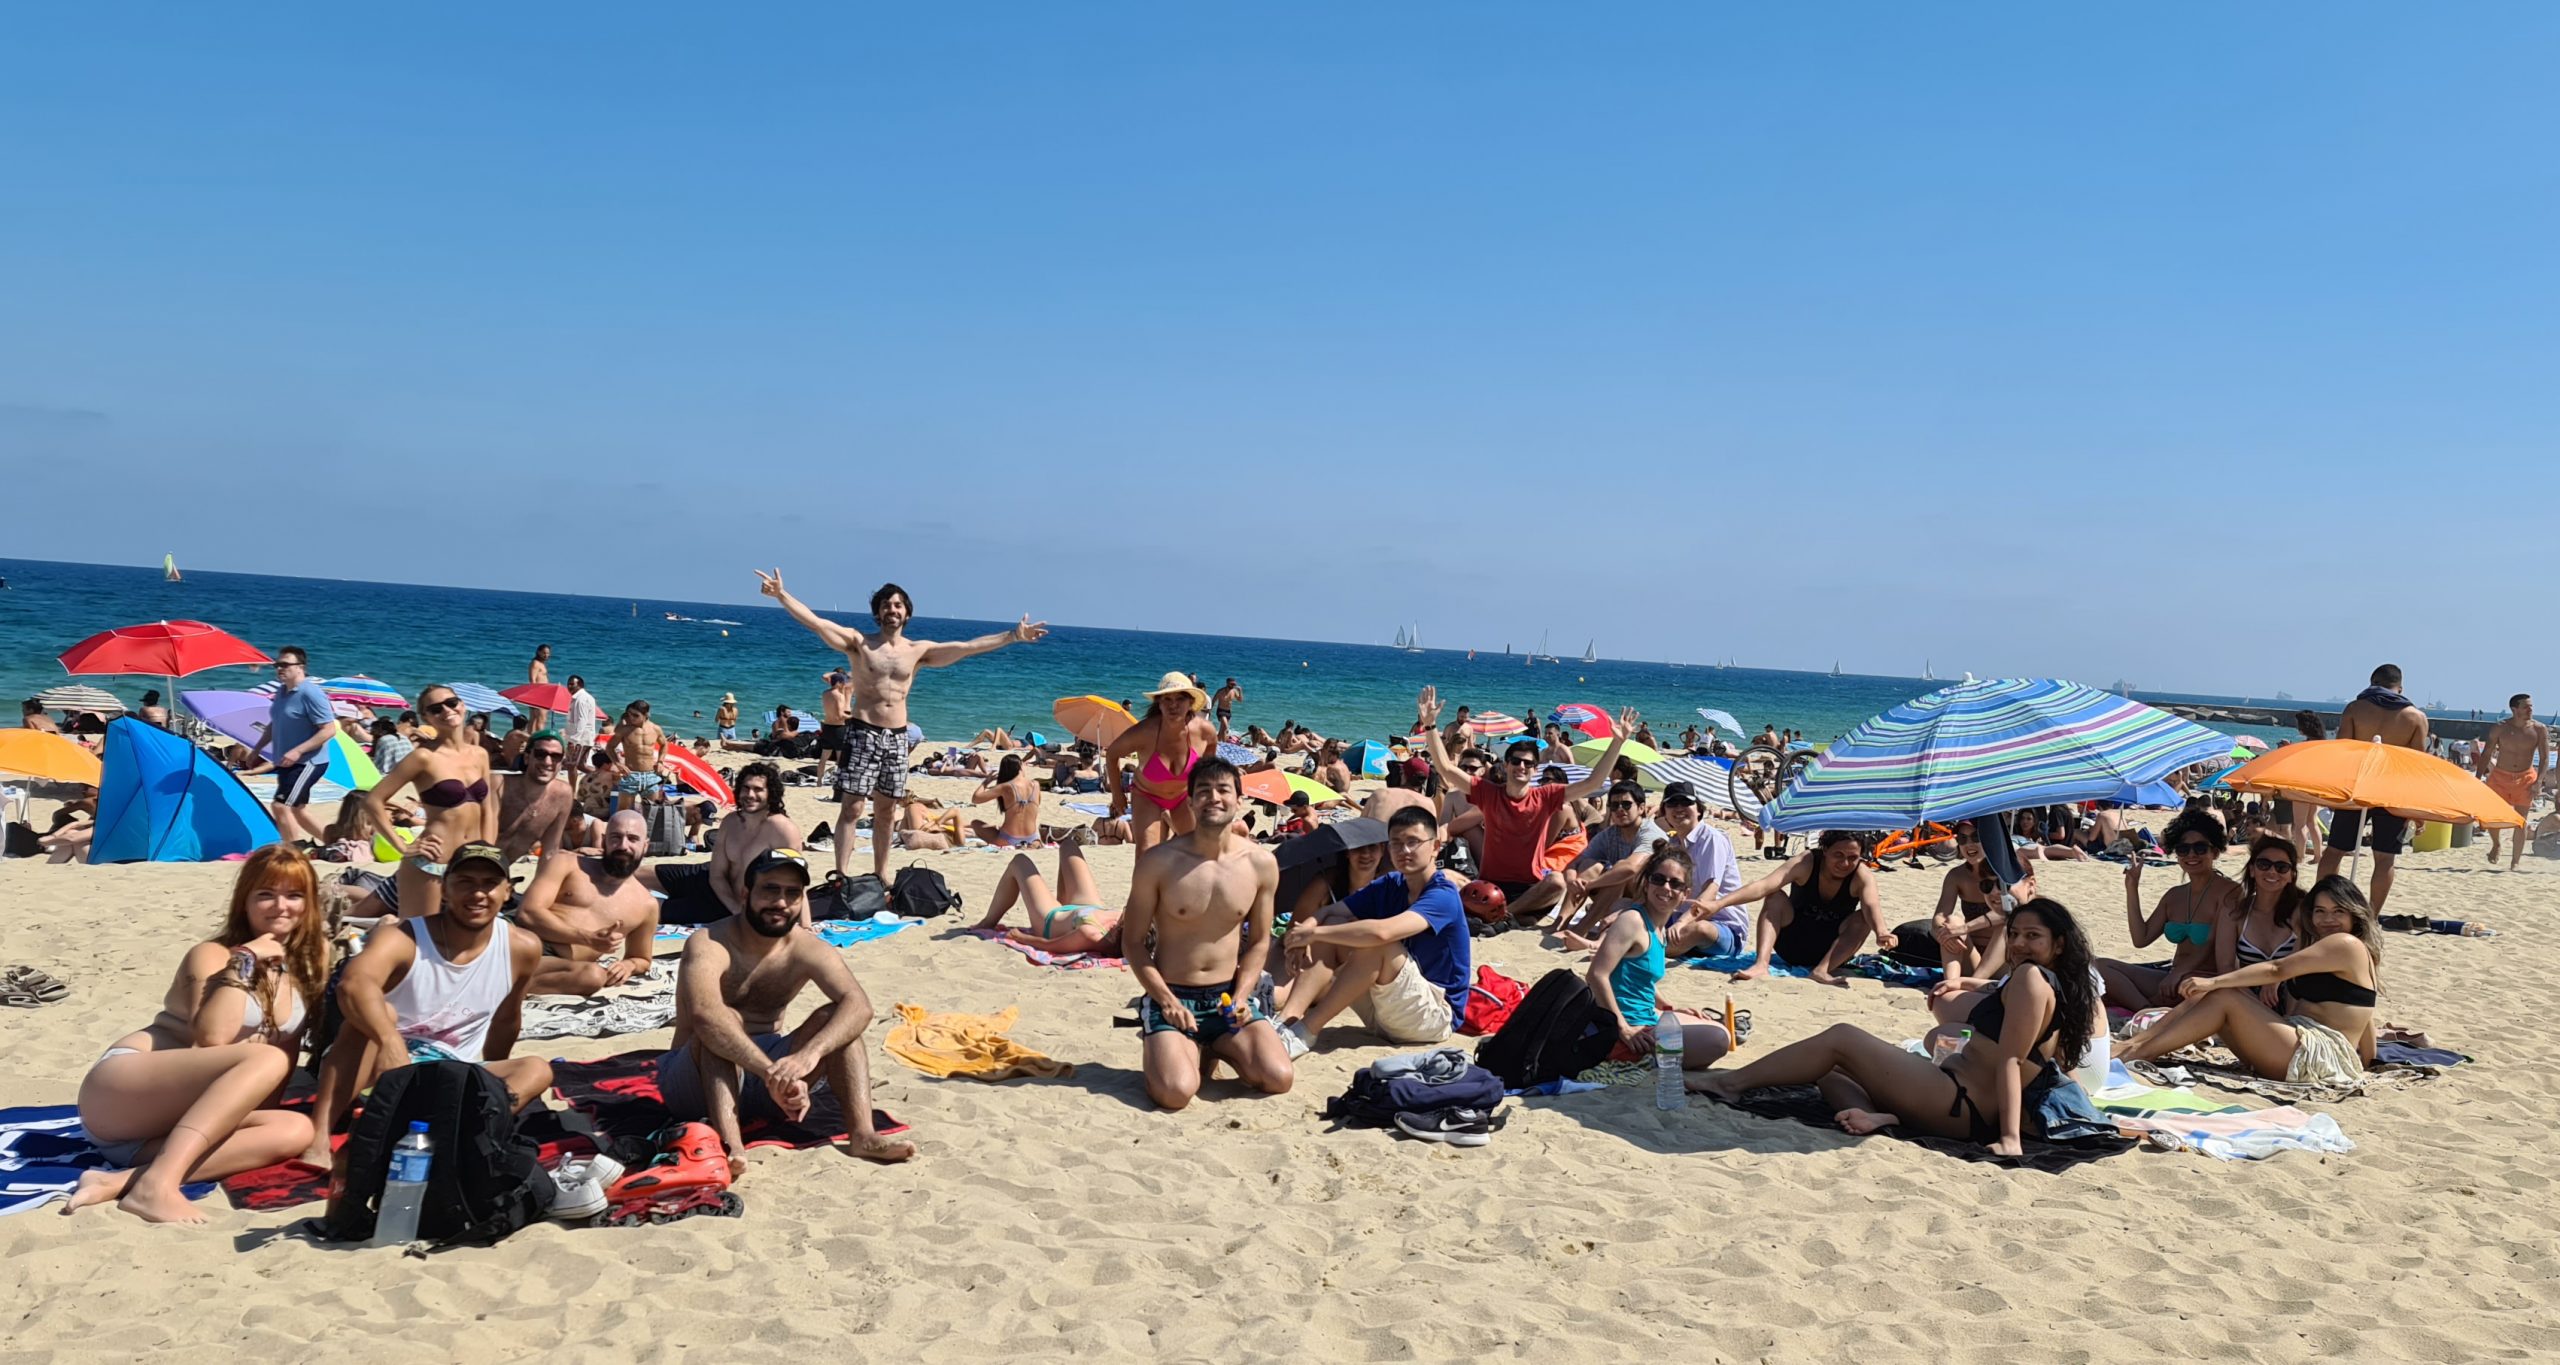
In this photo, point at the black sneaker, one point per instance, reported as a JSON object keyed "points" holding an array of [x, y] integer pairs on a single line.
{"points": [[1457, 1127]]}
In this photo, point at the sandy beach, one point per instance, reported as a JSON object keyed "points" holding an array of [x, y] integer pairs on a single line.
{"points": [[1048, 1219]]}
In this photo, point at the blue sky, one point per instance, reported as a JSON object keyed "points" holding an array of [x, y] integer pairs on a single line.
{"points": [[2207, 347]]}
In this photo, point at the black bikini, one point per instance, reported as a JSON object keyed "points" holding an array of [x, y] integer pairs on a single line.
{"points": [[450, 793], [1986, 1021], [2329, 988]]}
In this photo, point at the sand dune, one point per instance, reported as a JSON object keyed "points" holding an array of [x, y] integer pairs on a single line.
{"points": [[1052, 1219]]}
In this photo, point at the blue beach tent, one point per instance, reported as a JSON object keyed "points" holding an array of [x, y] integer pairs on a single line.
{"points": [[163, 800]]}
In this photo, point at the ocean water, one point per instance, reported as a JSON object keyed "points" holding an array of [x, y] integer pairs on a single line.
{"points": [[411, 635]]}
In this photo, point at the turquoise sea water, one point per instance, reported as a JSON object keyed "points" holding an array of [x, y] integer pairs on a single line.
{"points": [[411, 635]]}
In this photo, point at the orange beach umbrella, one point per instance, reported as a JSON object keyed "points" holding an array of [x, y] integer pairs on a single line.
{"points": [[49, 758], [1095, 720], [2368, 775]]}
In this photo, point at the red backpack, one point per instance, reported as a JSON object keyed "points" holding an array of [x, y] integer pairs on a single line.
{"points": [[1490, 1001]]}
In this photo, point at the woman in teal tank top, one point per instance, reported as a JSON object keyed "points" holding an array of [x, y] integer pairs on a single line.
{"points": [[1627, 966]]}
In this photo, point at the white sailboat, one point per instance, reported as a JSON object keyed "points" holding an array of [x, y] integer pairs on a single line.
{"points": [[1587, 656], [1927, 674], [1402, 641], [1410, 644], [1542, 655], [1835, 668], [169, 570]]}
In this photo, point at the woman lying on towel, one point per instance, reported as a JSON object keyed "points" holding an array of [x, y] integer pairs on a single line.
{"points": [[1075, 924], [183, 1099], [2195, 916], [1627, 965], [2330, 986], [1996, 1090]]}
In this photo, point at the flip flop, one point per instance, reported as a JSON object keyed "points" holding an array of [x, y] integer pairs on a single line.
{"points": [[19, 1000]]}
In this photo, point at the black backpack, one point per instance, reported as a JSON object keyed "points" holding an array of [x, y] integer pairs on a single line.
{"points": [[1558, 1029], [666, 832], [485, 1181], [848, 897], [921, 893]]}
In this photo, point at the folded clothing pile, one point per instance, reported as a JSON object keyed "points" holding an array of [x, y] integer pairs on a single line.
{"points": [[1436, 1096]]}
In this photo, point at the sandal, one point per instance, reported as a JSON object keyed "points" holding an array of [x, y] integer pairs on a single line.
{"points": [[28, 981], [19, 999]]}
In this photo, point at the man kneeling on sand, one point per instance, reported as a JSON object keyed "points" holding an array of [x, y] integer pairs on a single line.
{"points": [[730, 1056], [1188, 900], [583, 908], [1394, 952], [449, 987]]}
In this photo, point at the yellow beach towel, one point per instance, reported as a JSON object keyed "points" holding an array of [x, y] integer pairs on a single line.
{"points": [[971, 1045]]}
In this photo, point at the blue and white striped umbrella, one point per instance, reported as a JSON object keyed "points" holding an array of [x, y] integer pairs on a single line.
{"points": [[1239, 755], [1713, 779], [1983, 747], [479, 699]]}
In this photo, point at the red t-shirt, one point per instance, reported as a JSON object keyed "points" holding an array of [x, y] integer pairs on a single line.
{"points": [[1515, 832]]}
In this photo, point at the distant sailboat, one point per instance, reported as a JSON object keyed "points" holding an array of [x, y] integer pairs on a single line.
{"points": [[1835, 668], [1410, 644], [169, 570], [1968, 677], [1403, 641], [1587, 656], [1927, 674], [1542, 655]]}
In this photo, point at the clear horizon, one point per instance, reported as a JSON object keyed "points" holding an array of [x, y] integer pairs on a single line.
{"points": [[2169, 347]]}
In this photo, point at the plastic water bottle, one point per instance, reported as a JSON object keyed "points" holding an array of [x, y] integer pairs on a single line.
{"points": [[1668, 1091], [404, 1189], [1948, 1043]]}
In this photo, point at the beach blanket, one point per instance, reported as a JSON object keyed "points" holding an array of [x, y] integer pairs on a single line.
{"points": [[1804, 1104], [1042, 957], [973, 1046], [2217, 1067], [842, 933], [600, 1016], [1102, 808], [1870, 965], [2240, 1135], [619, 1096], [44, 1151]]}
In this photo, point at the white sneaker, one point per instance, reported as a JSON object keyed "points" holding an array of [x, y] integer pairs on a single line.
{"points": [[1294, 1039], [578, 1188]]}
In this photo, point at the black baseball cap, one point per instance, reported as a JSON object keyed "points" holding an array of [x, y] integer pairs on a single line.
{"points": [[772, 858], [1679, 793]]}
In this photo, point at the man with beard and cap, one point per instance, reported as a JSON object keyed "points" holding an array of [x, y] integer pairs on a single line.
{"points": [[730, 1056], [582, 908]]}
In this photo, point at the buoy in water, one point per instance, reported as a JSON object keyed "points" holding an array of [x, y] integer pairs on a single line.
{"points": [[724, 635]]}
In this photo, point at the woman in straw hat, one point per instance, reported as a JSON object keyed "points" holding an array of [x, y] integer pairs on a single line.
{"points": [[1166, 741]]}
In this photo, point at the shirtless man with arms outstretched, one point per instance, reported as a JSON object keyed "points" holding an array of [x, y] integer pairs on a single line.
{"points": [[583, 908], [730, 1056], [883, 663], [1187, 900], [2512, 761], [2380, 712]]}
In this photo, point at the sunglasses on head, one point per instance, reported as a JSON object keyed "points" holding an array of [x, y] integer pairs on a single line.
{"points": [[2193, 848], [1665, 880], [2270, 865]]}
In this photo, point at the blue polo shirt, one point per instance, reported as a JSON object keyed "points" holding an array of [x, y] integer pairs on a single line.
{"points": [[1443, 951], [295, 716]]}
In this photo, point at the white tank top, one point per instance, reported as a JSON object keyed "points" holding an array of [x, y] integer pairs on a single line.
{"points": [[450, 1006]]}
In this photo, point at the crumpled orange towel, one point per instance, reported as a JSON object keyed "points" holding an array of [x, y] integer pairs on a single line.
{"points": [[970, 1045]]}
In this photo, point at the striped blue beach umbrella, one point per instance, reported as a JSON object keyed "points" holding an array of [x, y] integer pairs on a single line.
{"points": [[1368, 758], [1980, 748], [480, 699], [1711, 777]]}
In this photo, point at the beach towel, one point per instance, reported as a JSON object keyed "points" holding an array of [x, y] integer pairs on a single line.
{"points": [[2218, 1068], [1804, 1104], [2244, 1135], [600, 1016], [1873, 966], [973, 1046], [1102, 808], [842, 933], [1042, 957], [44, 1151], [619, 1096], [1735, 962]]}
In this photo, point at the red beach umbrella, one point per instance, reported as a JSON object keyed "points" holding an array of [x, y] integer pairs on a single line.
{"points": [[701, 776], [170, 649], [542, 696]]}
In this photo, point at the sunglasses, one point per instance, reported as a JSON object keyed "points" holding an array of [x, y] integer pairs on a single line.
{"points": [[448, 703], [1520, 763], [2194, 850], [2270, 865], [1622, 805], [1665, 880], [549, 755]]}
